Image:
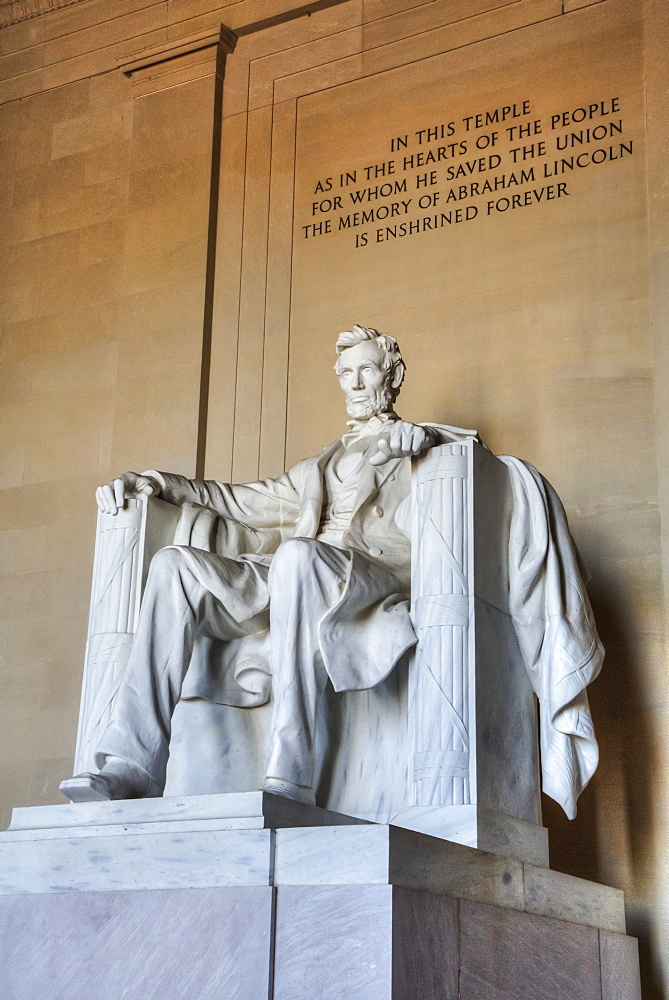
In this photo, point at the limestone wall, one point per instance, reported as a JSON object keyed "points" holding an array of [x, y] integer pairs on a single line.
{"points": [[174, 263]]}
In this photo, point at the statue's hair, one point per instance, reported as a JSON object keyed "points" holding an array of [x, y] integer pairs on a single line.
{"points": [[392, 357]]}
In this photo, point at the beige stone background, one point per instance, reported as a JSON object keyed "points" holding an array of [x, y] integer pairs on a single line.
{"points": [[160, 306]]}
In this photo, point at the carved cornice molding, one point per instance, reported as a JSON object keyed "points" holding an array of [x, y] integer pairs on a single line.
{"points": [[167, 51], [178, 60], [15, 11]]}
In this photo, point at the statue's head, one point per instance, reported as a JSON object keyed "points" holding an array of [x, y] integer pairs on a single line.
{"points": [[370, 370]]}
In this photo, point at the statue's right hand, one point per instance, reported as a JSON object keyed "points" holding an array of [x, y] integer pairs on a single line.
{"points": [[111, 498]]}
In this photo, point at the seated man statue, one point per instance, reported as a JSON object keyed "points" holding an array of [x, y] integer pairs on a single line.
{"points": [[327, 569], [312, 571]]}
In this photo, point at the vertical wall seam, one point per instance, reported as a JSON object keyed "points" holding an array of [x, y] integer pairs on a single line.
{"points": [[264, 320], [290, 289], [233, 429], [210, 274]]}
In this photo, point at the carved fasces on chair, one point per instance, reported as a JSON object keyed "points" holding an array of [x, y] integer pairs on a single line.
{"points": [[439, 684], [124, 545], [472, 725]]}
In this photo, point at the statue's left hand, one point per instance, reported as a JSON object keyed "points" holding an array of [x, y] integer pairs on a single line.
{"points": [[111, 498], [402, 439]]}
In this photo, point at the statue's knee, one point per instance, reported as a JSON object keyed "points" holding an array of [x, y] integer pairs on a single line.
{"points": [[167, 562], [293, 557]]}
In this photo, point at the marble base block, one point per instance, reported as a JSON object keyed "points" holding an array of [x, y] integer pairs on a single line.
{"points": [[219, 896], [157, 944], [387, 855], [476, 826], [257, 839], [333, 942], [394, 943], [163, 843], [226, 811]]}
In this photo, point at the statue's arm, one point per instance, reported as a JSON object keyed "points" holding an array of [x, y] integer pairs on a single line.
{"points": [[269, 503]]}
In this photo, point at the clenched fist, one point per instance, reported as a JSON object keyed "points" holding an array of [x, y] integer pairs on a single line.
{"points": [[402, 439]]}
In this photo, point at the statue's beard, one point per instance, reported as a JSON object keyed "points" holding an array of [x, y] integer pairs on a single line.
{"points": [[375, 402]]}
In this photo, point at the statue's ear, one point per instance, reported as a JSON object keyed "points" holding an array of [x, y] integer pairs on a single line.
{"points": [[397, 376]]}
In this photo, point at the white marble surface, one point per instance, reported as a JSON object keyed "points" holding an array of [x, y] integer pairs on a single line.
{"points": [[164, 944], [301, 942], [388, 855], [247, 839], [146, 860], [374, 942], [202, 840], [334, 942], [124, 546], [381, 855], [228, 811], [476, 826]]}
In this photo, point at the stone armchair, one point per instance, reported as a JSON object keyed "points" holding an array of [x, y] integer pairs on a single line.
{"points": [[447, 745]]}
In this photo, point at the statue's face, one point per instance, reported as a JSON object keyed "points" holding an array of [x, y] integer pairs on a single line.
{"points": [[364, 382]]}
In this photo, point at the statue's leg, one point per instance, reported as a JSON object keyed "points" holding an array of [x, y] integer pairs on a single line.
{"points": [[134, 748], [305, 581]]}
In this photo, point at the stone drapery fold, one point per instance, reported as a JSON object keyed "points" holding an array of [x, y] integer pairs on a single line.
{"points": [[556, 632]]}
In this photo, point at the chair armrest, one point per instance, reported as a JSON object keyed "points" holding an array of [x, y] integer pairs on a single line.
{"points": [[124, 545], [441, 558]]}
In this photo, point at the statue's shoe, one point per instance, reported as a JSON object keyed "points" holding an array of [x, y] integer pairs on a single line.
{"points": [[117, 780], [289, 790], [87, 787]]}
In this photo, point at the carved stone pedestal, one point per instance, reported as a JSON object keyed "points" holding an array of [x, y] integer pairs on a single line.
{"points": [[219, 896]]}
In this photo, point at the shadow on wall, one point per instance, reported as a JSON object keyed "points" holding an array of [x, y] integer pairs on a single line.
{"points": [[611, 839]]}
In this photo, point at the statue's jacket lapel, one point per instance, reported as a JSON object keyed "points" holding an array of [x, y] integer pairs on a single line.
{"points": [[364, 635], [311, 499]]}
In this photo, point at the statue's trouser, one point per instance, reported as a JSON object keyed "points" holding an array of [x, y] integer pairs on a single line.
{"points": [[305, 580]]}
